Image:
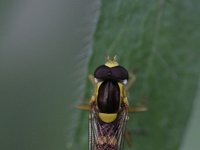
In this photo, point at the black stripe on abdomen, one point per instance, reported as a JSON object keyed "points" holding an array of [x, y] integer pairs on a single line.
{"points": [[108, 99]]}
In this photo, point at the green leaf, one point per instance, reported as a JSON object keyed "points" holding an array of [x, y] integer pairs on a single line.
{"points": [[159, 39], [191, 140]]}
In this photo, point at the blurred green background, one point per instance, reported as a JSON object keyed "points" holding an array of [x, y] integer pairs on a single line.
{"points": [[47, 49]]}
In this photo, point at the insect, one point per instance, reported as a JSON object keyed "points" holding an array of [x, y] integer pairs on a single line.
{"points": [[109, 106]]}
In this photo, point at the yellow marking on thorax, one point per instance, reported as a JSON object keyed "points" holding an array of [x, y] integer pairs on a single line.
{"points": [[111, 64], [107, 117], [97, 89], [121, 88]]}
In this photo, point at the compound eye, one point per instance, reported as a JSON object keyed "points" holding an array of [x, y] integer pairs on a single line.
{"points": [[120, 73], [102, 72]]}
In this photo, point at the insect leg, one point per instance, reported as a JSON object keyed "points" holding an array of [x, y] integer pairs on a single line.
{"points": [[83, 107], [86, 106], [128, 138], [92, 80], [131, 80], [137, 109]]}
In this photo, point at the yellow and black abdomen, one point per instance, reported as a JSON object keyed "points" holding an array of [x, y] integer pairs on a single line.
{"points": [[108, 99]]}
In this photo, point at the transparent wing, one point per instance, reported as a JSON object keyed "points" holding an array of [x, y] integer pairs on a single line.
{"points": [[106, 136], [123, 122], [92, 129]]}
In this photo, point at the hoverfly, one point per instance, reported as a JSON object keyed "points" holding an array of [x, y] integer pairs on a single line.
{"points": [[109, 107]]}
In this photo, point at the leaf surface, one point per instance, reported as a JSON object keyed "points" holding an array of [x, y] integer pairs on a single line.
{"points": [[159, 40]]}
